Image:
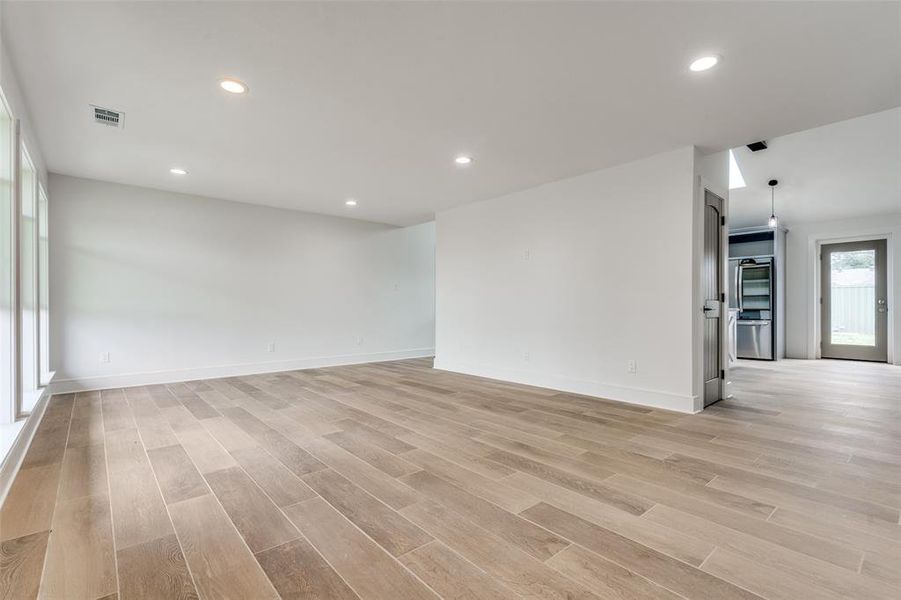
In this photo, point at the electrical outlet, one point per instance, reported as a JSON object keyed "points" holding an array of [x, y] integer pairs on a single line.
{"points": [[359, 340], [104, 357], [632, 367], [271, 347], [526, 356], [527, 254]]}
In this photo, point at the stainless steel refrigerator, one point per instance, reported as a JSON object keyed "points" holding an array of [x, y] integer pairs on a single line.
{"points": [[753, 293]]}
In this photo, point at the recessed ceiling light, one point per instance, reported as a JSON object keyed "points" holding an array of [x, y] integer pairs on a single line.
{"points": [[463, 160], [177, 171], [704, 63], [233, 86], [350, 202]]}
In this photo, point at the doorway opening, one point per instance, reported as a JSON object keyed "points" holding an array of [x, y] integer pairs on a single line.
{"points": [[853, 299]]}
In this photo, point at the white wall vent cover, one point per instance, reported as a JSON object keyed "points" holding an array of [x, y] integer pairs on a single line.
{"points": [[108, 117]]}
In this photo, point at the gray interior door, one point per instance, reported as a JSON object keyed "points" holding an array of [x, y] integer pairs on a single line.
{"points": [[854, 304], [713, 296]]}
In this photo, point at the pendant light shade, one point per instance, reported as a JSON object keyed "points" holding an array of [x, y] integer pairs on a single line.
{"points": [[773, 222]]}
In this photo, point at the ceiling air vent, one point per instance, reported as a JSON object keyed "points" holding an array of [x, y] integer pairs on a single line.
{"points": [[757, 146], [108, 117]]}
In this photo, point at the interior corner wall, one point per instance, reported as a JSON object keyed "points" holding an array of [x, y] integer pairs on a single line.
{"points": [[176, 287], [802, 280], [563, 285]]}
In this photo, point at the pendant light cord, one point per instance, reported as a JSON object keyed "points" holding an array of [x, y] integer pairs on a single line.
{"points": [[773, 183]]}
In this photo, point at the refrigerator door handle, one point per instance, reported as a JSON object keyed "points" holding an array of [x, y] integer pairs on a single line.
{"points": [[739, 287]]}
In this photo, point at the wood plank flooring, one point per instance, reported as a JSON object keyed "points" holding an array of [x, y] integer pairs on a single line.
{"points": [[395, 481]]}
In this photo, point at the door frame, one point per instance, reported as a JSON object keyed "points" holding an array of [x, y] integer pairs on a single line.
{"points": [[815, 244], [722, 269], [881, 348], [718, 184]]}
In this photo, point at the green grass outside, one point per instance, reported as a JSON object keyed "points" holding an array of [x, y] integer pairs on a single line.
{"points": [[850, 338]]}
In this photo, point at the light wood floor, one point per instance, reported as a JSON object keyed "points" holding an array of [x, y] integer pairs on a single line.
{"points": [[394, 481]]}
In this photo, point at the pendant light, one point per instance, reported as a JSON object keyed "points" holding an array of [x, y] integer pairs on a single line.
{"points": [[773, 222]]}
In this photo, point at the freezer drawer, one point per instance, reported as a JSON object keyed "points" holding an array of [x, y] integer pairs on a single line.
{"points": [[755, 339]]}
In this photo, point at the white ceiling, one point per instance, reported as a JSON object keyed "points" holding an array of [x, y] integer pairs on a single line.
{"points": [[846, 169], [373, 100]]}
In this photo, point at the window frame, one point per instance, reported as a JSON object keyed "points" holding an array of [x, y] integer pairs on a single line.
{"points": [[24, 158], [42, 281], [11, 402]]}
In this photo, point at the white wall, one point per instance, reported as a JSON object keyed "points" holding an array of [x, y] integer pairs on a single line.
{"points": [[802, 282], [563, 284], [177, 287]]}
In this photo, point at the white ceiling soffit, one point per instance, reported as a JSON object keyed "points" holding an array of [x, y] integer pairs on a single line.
{"points": [[374, 100], [843, 170]]}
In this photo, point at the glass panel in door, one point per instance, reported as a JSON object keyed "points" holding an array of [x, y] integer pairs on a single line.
{"points": [[852, 291]]}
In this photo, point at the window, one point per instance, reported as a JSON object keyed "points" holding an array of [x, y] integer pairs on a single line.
{"points": [[28, 309], [7, 256], [43, 289], [736, 181], [24, 277]]}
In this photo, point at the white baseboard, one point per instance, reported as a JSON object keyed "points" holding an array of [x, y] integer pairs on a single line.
{"points": [[13, 460], [103, 382], [629, 395]]}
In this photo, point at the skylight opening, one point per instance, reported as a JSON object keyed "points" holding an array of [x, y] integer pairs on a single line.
{"points": [[736, 180]]}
